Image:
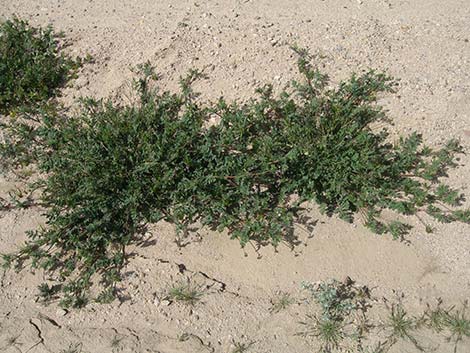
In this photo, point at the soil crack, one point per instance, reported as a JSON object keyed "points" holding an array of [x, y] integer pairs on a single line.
{"points": [[39, 333]]}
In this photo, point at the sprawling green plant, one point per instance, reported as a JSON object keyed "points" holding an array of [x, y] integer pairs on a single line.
{"points": [[112, 169], [32, 67]]}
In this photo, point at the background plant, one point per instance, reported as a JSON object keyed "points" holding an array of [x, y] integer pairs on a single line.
{"points": [[32, 65]]}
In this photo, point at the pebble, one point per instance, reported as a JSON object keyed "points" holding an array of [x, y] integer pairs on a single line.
{"points": [[61, 312], [166, 302]]}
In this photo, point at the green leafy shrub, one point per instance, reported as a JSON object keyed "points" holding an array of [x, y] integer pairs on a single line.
{"points": [[111, 169], [32, 66]]}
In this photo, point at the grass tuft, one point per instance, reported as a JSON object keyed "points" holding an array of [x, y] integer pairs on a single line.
{"points": [[240, 347], [186, 293], [458, 325], [328, 331], [73, 348], [282, 302], [116, 343], [401, 326]]}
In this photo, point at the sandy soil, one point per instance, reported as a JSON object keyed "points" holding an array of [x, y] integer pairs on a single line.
{"points": [[240, 44]]}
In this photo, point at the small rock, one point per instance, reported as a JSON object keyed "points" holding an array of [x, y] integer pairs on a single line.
{"points": [[61, 312], [218, 286], [165, 302]]}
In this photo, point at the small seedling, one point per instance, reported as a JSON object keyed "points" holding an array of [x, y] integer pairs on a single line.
{"points": [[73, 348], [242, 347], [282, 302], [458, 324], [186, 293], [116, 343], [401, 326], [328, 331], [436, 318]]}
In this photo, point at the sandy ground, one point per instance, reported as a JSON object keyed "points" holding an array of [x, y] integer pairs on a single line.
{"points": [[240, 44]]}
